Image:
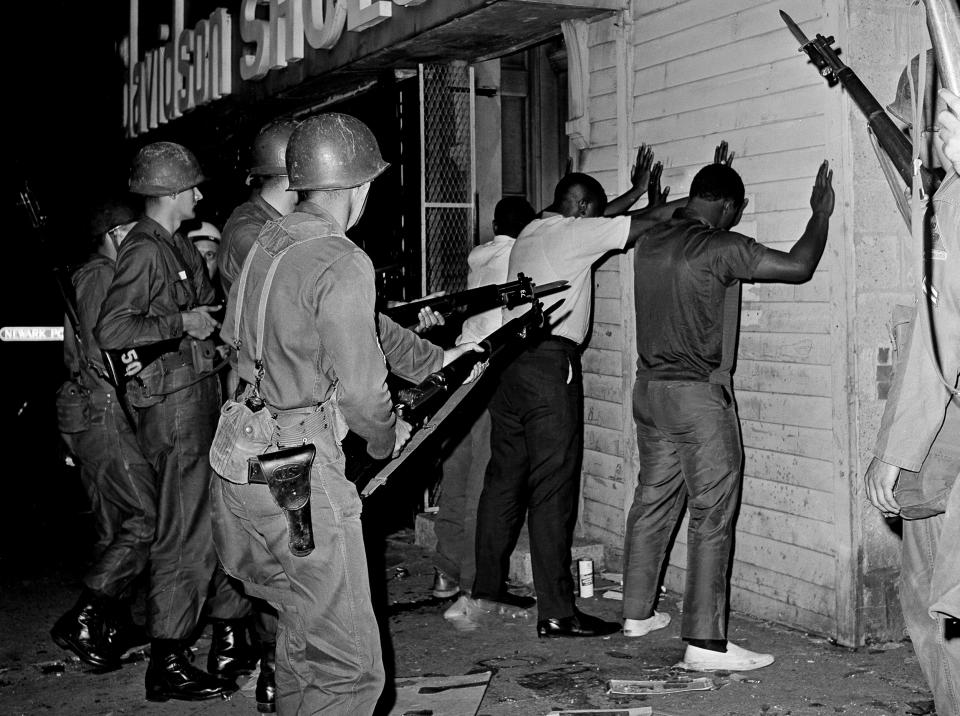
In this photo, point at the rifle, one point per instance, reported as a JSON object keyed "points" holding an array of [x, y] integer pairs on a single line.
{"points": [[896, 145], [426, 405], [38, 221], [475, 300]]}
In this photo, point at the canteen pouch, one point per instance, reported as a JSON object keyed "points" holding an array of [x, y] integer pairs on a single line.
{"points": [[287, 474], [73, 408], [244, 431]]}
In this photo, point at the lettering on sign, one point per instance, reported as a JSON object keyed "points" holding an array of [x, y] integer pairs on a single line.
{"points": [[194, 65], [31, 333]]}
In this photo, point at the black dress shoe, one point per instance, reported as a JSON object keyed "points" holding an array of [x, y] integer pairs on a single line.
{"points": [[84, 631], [579, 624], [267, 680], [231, 654], [170, 675]]}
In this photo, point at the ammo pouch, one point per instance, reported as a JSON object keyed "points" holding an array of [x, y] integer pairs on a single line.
{"points": [[204, 354], [286, 473], [73, 408]]}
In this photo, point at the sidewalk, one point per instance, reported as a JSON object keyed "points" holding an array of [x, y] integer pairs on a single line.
{"points": [[531, 676]]}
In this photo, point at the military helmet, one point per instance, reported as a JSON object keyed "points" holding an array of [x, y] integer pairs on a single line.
{"points": [[903, 106], [109, 215], [163, 169], [206, 230], [332, 151], [269, 150]]}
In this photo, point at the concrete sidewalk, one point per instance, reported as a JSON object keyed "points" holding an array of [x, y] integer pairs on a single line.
{"points": [[531, 676]]}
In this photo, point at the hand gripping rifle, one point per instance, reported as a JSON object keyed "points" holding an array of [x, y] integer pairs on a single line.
{"points": [[426, 405], [475, 300], [896, 145]]}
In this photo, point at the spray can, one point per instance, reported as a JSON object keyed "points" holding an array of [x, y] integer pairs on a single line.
{"points": [[585, 572]]}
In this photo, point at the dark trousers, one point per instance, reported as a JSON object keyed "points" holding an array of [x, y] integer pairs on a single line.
{"points": [[536, 450], [175, 436], [122, 490], [688, 436], [456, 521]]}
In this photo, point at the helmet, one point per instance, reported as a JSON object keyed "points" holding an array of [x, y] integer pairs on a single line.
{"points": [[332, 151], [164, 168], [207, 231], [269, 150], [109, 215], [903, 106]]}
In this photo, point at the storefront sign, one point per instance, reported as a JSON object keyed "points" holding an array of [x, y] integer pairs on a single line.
{"points": [[194, 65]]}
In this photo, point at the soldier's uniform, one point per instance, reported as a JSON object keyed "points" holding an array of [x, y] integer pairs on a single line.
{"points": [[117, 479], [920, 429], [324, 369], [158, 276]]}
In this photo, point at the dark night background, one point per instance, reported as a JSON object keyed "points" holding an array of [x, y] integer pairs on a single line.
{"points": [[63, 135]]}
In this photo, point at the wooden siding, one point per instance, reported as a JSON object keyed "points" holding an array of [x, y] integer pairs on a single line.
{"points": [[702, 71]]}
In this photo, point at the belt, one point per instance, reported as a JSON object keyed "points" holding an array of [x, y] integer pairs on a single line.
{"points": [[566, 344]]}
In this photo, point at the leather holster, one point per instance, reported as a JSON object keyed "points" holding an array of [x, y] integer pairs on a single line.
{"points": [[286, 473]]}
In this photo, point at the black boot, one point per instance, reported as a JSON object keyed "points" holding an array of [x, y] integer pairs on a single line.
{"points": [[126, 634], [230, 652], [267, 681], [170, 675], [83, 630]]}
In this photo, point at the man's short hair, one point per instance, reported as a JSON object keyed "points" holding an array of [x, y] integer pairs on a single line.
{"points": [[718, 181], [591, 187], [512, 214]]}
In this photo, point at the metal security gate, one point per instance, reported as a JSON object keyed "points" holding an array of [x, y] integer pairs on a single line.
{"points": [[447, 175]]}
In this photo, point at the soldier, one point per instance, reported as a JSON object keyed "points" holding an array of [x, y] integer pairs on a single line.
{"points": [[161, 292], [917, 454], [116, 477], [303, 316], [269, 200]]}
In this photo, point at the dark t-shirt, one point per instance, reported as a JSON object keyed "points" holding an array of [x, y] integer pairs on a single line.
{"points": [[687, 292]]}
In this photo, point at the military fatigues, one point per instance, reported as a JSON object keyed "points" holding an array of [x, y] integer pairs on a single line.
{"points": [[157, 277], [323, 367], [920, 433], [239, 235], [116, 477]]}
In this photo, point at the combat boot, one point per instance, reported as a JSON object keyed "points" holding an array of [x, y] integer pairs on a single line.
{"points": [[84, 631], [267, 680], [170, 675], [230, 651]]}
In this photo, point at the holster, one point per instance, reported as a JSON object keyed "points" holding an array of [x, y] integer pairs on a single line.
{"points": [[286, 473]]}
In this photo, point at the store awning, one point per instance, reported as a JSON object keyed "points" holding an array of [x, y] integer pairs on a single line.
{"points": [[436, 32]]}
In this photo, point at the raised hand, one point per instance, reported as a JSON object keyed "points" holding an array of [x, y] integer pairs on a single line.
{"points": [[655, 195], [640, 172], [720, 155], [822, 198]]}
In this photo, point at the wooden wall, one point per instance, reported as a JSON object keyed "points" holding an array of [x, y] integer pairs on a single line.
{"points": [[696, 72]]}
